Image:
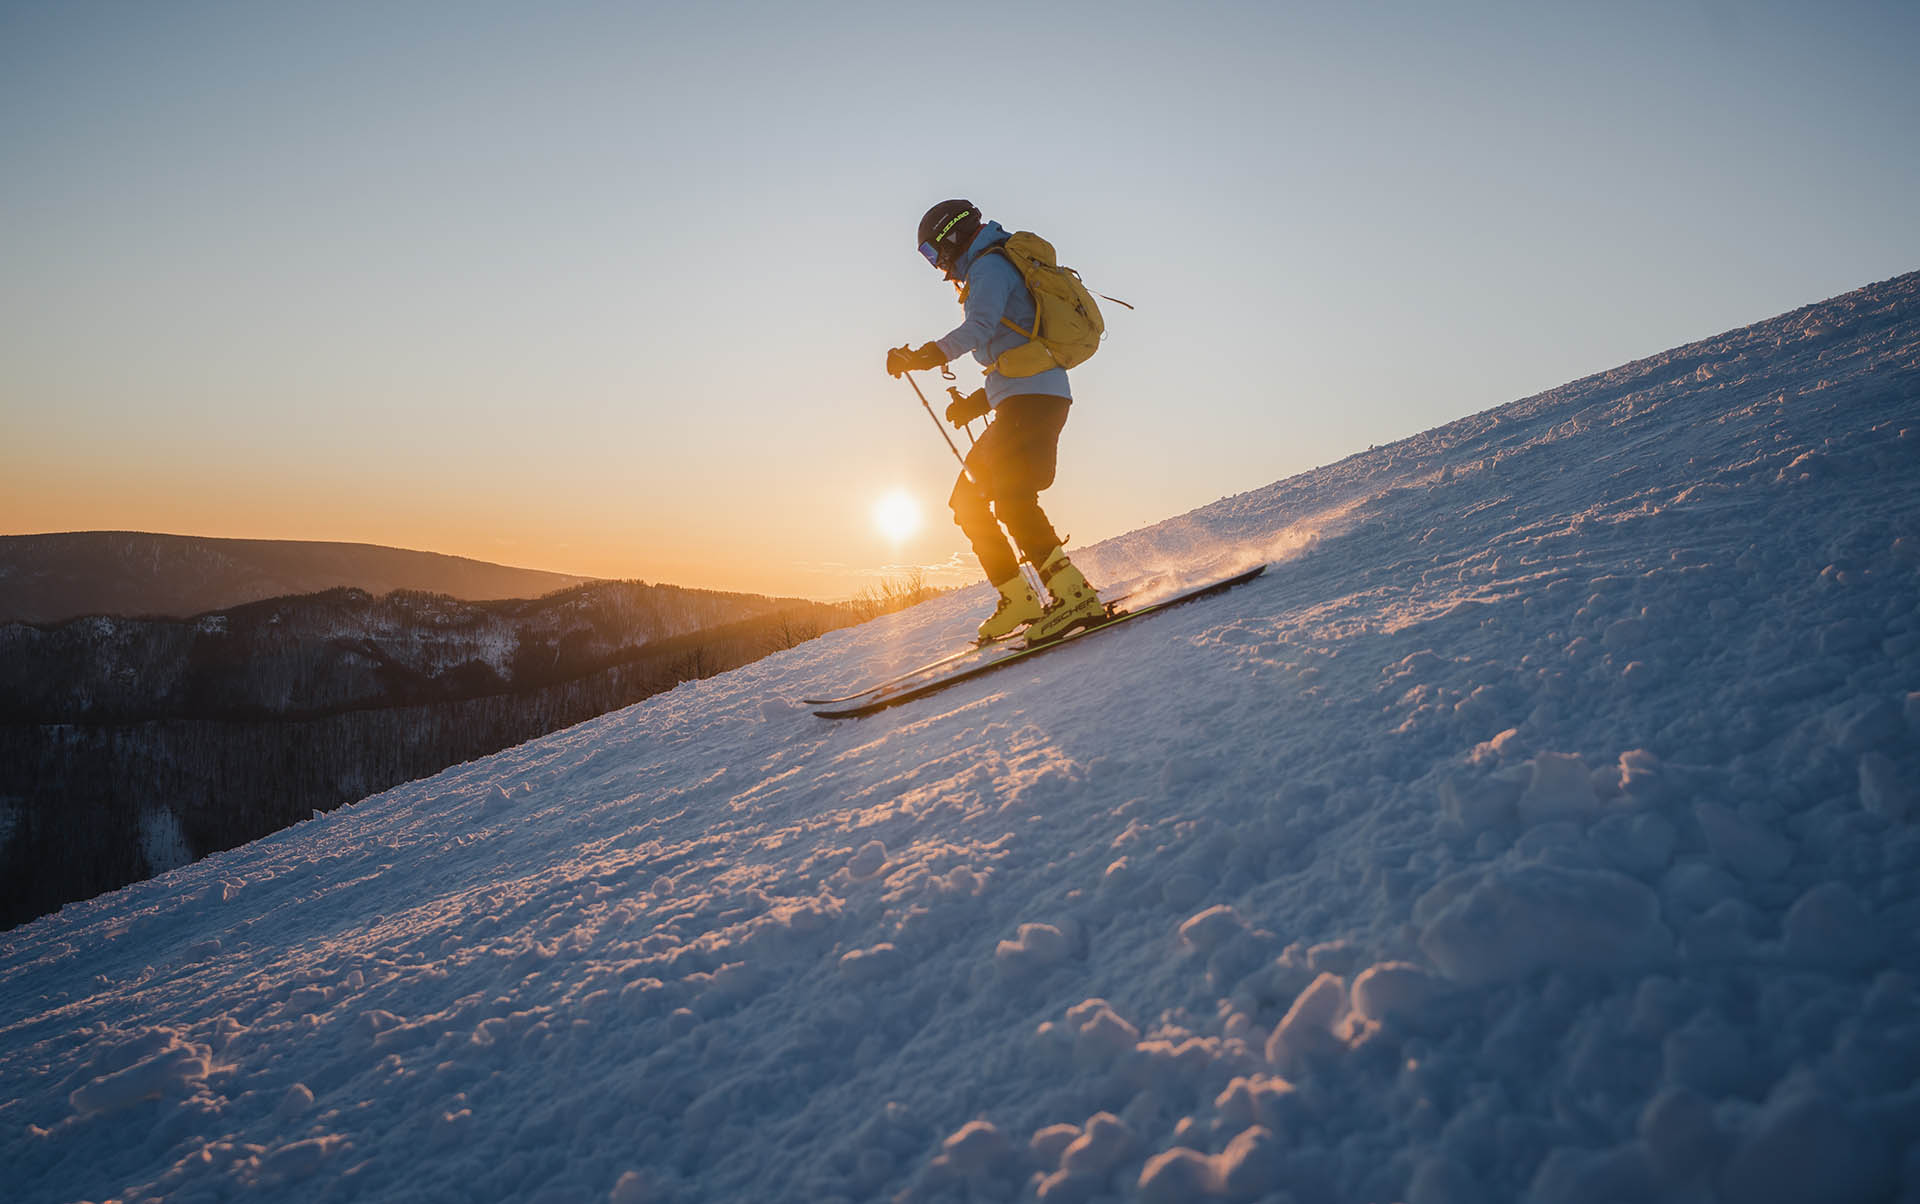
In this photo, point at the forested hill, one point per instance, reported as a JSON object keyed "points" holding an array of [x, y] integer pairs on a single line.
{"points": [[130, 746], [345, 648], [48, 578]]}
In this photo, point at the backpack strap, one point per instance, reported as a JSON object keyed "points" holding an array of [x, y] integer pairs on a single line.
{"points": [[1000, 249]]}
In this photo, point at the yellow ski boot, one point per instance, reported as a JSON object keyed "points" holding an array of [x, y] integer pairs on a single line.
{"points": [[1075, 603], [1018, 607]]}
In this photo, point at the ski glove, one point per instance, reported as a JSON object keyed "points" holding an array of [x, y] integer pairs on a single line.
{"points": [[965, 409], [900, 359]]}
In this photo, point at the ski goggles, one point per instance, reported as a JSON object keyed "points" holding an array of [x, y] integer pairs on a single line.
{"points": [[931, 253]]}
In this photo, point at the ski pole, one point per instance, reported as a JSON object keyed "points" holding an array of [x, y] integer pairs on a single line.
{"points": [[1034, 579], [951, 446]]}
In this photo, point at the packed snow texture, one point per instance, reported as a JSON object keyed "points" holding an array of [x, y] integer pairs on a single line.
{"points": [[1541, 826]]}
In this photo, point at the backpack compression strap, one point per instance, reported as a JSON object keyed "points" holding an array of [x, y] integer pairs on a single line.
{"points": [[1000, 249]]}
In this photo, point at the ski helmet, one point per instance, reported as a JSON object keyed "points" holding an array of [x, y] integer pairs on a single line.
{"points": [[947, 231]]}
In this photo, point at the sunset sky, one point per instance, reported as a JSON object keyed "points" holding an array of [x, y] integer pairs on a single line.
{"points": [[606, 288]]}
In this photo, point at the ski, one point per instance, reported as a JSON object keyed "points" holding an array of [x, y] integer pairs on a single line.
{"points": [[972, 649], [900, 679], [881, 697]]}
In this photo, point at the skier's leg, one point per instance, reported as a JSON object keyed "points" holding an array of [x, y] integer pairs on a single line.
{"points": [[974, 515], [1018, 605], [1030, 454], [1032, 442], [1032, 531], [972, 504]]}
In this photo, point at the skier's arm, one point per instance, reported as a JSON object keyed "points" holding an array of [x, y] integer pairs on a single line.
{"points": [[989, 287]]}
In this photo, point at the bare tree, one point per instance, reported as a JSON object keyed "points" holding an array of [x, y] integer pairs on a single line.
{"points": [[792, 628]]}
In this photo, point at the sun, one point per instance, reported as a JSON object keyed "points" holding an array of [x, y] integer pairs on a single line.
{"points": [[896, 515]]}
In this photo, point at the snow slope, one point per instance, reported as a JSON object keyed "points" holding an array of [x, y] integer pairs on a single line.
{"points": [[1541, 826]]}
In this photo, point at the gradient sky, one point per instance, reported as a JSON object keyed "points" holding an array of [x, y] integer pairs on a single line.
{"points": [[606, 288]]}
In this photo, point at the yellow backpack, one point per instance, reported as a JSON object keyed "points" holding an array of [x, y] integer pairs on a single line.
{"points": [[1067, 326]]}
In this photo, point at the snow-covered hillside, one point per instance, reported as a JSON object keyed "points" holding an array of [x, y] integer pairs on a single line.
{"points": [[1543, 825]]}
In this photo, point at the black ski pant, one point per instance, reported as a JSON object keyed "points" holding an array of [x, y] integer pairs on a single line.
{"points": [[1011, 464]]}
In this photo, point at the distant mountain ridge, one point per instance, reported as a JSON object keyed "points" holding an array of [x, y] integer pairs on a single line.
{"points": [[52, 578]]}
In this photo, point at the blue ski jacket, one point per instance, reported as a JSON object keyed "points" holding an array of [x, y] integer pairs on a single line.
{"points": [[995, 290]]}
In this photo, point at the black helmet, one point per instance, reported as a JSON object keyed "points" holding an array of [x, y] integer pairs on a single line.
{"points": [[947, 231]]}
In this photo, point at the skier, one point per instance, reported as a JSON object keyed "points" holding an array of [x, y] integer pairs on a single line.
{"points": [[1014, 460]]}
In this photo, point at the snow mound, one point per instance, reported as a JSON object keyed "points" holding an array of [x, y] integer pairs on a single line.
{"points": [[1513, 922]]}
